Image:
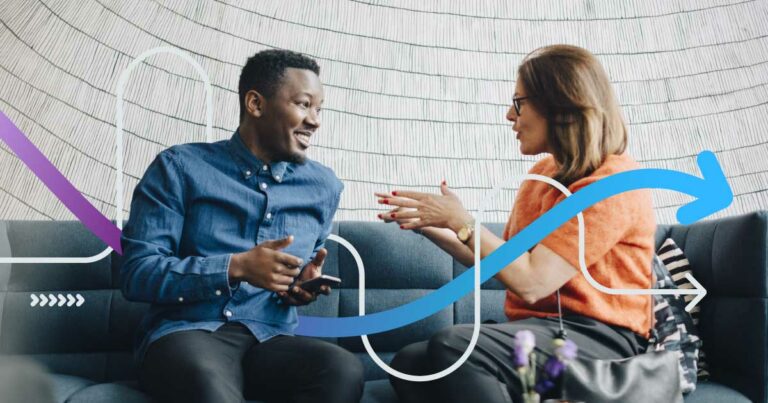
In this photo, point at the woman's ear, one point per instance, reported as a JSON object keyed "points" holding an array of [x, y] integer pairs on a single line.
{"points": [[254, 103]]}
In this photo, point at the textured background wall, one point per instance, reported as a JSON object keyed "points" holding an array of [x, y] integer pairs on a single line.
{"points": [[415, 91]]}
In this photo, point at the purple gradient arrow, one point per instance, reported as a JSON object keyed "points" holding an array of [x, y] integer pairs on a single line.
{"points": [[92, 218]]}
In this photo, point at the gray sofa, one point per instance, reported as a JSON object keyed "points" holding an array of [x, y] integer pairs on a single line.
{"points": [[87, 349]]}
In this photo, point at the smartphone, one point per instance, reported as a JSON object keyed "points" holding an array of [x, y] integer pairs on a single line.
{"points": [[324, 279]]}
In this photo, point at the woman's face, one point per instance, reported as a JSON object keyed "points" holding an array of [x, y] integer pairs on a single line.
{"points": [[531, 127]]}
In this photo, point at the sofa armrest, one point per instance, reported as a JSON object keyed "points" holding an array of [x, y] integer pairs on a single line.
{"points": [[729, 256]]}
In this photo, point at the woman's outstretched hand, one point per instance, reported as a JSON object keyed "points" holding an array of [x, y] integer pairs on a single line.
{"points": [[415, 210]]}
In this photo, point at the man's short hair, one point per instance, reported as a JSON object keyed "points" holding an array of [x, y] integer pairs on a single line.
{"points": [[264, 71]]}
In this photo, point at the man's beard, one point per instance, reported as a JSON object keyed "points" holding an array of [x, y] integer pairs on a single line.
{"points": [[296, 158]]}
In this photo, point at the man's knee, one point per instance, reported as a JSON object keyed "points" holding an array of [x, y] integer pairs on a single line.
{"points": [[343, 367]]}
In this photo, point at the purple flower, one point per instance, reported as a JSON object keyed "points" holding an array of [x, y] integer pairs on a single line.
{"points": [[543, 386], [553, 367], [567, 351], [525, 341], [520, 358]]}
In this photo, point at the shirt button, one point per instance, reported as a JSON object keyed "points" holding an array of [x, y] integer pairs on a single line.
{"points": [[277, 178], [218, 292], [264, 186], [228, 314], [247, 173], [265, 167], [181, 299], [269, 216]]}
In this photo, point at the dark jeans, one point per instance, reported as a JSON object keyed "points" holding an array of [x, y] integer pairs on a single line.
{"points": [[230, 365], [488, 374]]}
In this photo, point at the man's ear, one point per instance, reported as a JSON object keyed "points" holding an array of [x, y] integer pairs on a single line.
{"points": [[254, 103]]}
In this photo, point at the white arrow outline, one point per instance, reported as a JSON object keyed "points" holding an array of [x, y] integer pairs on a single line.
{"points": [[34, 299], [698, 290]]}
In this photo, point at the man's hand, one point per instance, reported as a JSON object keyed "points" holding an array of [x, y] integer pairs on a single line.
{"points": [[265, 266], [299, 296]]}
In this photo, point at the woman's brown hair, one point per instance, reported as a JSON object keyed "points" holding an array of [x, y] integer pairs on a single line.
{"points": [[568, 86]]}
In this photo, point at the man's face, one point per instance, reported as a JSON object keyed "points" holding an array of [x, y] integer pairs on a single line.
{"points": [[290, 117]]}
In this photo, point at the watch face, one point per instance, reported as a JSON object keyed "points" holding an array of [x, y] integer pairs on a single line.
{"points": [[463, 234]]}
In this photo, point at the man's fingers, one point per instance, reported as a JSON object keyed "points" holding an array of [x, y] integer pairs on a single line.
{"points": [[288, 260], [282, 279], [302, 294], [320, 257], [289, 271], [325, 290], [278, 243]]}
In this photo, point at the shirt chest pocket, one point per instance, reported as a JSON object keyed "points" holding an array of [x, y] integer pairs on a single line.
{"points": [[306, 226]]}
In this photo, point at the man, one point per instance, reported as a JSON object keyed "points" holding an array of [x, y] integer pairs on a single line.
{"points": [[223, 310]]}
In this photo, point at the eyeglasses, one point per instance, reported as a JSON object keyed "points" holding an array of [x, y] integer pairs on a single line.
{"points": [[516, 103]]}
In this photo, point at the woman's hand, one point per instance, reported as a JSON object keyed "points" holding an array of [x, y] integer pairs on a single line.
{"points": [[417, 210]]}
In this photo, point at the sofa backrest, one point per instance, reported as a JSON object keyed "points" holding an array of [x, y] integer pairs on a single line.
{"points": [[728, 257]]}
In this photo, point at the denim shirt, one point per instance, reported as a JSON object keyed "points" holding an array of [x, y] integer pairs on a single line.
{"points": [[196, 205]]}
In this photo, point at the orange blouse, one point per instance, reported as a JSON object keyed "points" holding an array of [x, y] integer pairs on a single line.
{"points": [[619, 239]]}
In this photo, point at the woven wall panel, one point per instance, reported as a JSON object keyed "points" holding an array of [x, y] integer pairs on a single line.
{"points": [[415, 92]]}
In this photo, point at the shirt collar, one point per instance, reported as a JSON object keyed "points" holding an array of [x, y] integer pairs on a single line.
{"points": [[250, 165]]}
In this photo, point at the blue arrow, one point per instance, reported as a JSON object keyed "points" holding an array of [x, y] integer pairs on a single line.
{"points": [[712, 192]]}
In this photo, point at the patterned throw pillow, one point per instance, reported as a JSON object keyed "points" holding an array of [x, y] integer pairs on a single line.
{"points": [[678, 265], [673, 328]]}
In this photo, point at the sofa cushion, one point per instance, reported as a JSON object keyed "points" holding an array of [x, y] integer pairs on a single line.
{"points": [[379, 392], [713, 392], [64, 386], [109, 392]]}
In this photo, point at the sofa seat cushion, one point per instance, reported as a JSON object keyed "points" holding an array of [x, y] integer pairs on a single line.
{"points": [[713, 392], [64, 386], [110, 392], [379, 391], [72, 389]]}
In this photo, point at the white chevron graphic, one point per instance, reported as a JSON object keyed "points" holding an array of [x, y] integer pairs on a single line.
{"points": [[51, 300]]}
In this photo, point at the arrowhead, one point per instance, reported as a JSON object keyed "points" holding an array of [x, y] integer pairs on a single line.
{"points": [[71, 300], [43, 300], [62, 300], [702, 292], [80, 300], [34, 299], [713, 193], [51, 300]]}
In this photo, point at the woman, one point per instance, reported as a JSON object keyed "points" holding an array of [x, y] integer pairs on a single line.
{"points": [[563, 106]]}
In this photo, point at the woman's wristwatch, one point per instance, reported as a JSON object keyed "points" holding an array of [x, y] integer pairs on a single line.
{"points": [[465, 233]]}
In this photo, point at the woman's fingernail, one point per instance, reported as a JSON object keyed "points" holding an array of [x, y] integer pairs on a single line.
{"points": [[385, 201], [392, 215], [444, 183], [394, 193], [402, 227], [380, 216]]}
